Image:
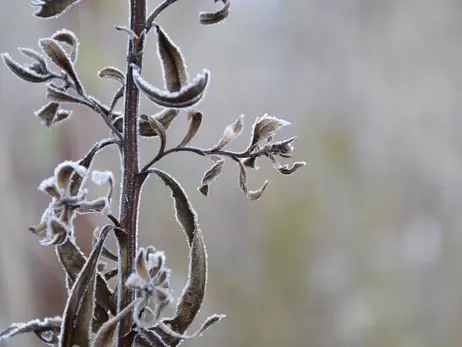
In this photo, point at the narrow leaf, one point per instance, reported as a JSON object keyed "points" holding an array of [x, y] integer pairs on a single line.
{"points": [[23, 72], [209, 18], [105, 335], [165, 117], [209, 321], [250, 194], [264, 128], [187, 96], [231, 132], [290, 169], [212, 174], [195, 118], [47, 113], [194, 290], [59, 56], [52, 8], [56, 95], [47, 329], [160, 130], [148, 338], [42, 67], [111, 72], [173, 65], [78, 313], [70, 39]]}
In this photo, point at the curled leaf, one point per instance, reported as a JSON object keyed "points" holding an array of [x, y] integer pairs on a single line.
{"points": [[209, 18], [173, 65], [250, 194], [194, 290], [78, 313], [288, 170], [195, 118], [208, 322], [147, 338], [158, 128], [24, 72], [59, 56], [165, 117], [56, 95], [69, 38], [47, 329], [52, 8], [231, 132], [105, 335], [62, 115], [56, 233], [47, 113], [212, 174], [40, 65], [112, 73], [187, 96], [264, 128]]}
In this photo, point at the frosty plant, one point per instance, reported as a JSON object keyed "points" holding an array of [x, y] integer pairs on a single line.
{"points": [[132, 313]]}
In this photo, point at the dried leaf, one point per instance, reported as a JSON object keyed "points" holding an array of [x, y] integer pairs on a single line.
{"points": [[65, 170], [99, 205], [52, 8], [56, 233], [251, 163], [106, 253], [208, 322], [187, 96], [62, 115], [112, 73], [69, 38], [212, 174], [41, 66], [147, 338], [47, 113], [24, 72], [78, 314], [231, 132], [59, 56], [264, 128], [105, 335], [250, 194], [140, 265], [194, 290], [195, 118], [47, 329], [288, 170], [56, 95], [209, 18], [173, 65]]}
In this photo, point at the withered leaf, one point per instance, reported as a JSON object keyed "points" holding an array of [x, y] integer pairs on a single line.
{"points": [[264, 128], [147, 338], [52, 8], [69, 38], [165, 117], [173, 65], [56, 95], [250, 194], [208, 322], [195, 118], [105, 335], [78, 314], [194, 290], [47, 329], [231, 132], [23, 72], [59, 56], [112, 73], [209, 18], [47, 113], [42, 66], [290, 169], [62, 115], [186, 97], [212, 174], [159, 129]]}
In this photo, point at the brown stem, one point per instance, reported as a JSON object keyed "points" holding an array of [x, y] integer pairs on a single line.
{"points": [[130, 192]]}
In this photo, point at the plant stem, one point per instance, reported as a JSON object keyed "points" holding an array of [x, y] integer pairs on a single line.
{"points": [[130, 192]]}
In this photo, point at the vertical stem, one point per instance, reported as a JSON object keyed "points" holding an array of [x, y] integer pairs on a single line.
{"points": [[130, 192]]}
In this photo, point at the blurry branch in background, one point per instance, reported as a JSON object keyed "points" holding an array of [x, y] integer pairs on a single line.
{"points": [[95, 314]]}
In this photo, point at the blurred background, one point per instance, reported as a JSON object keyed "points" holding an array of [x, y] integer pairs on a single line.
{"points": [[359, 248]]}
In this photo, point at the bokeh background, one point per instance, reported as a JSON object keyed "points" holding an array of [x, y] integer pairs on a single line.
{"points": [[359, 248]]}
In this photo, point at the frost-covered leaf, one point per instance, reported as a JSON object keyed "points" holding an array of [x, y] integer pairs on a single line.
{"points": [[59, 56], [209, 18], [52, 8], [250, 194], [24, 72], [187, 96], [112, 73], [290, 169], [173, 64], [47, 113], [264, 128], [69, 38], [195, 121], [78, 314], [40, 65], [212, 174], [47, 329], [56, 95], [231, 132]]}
